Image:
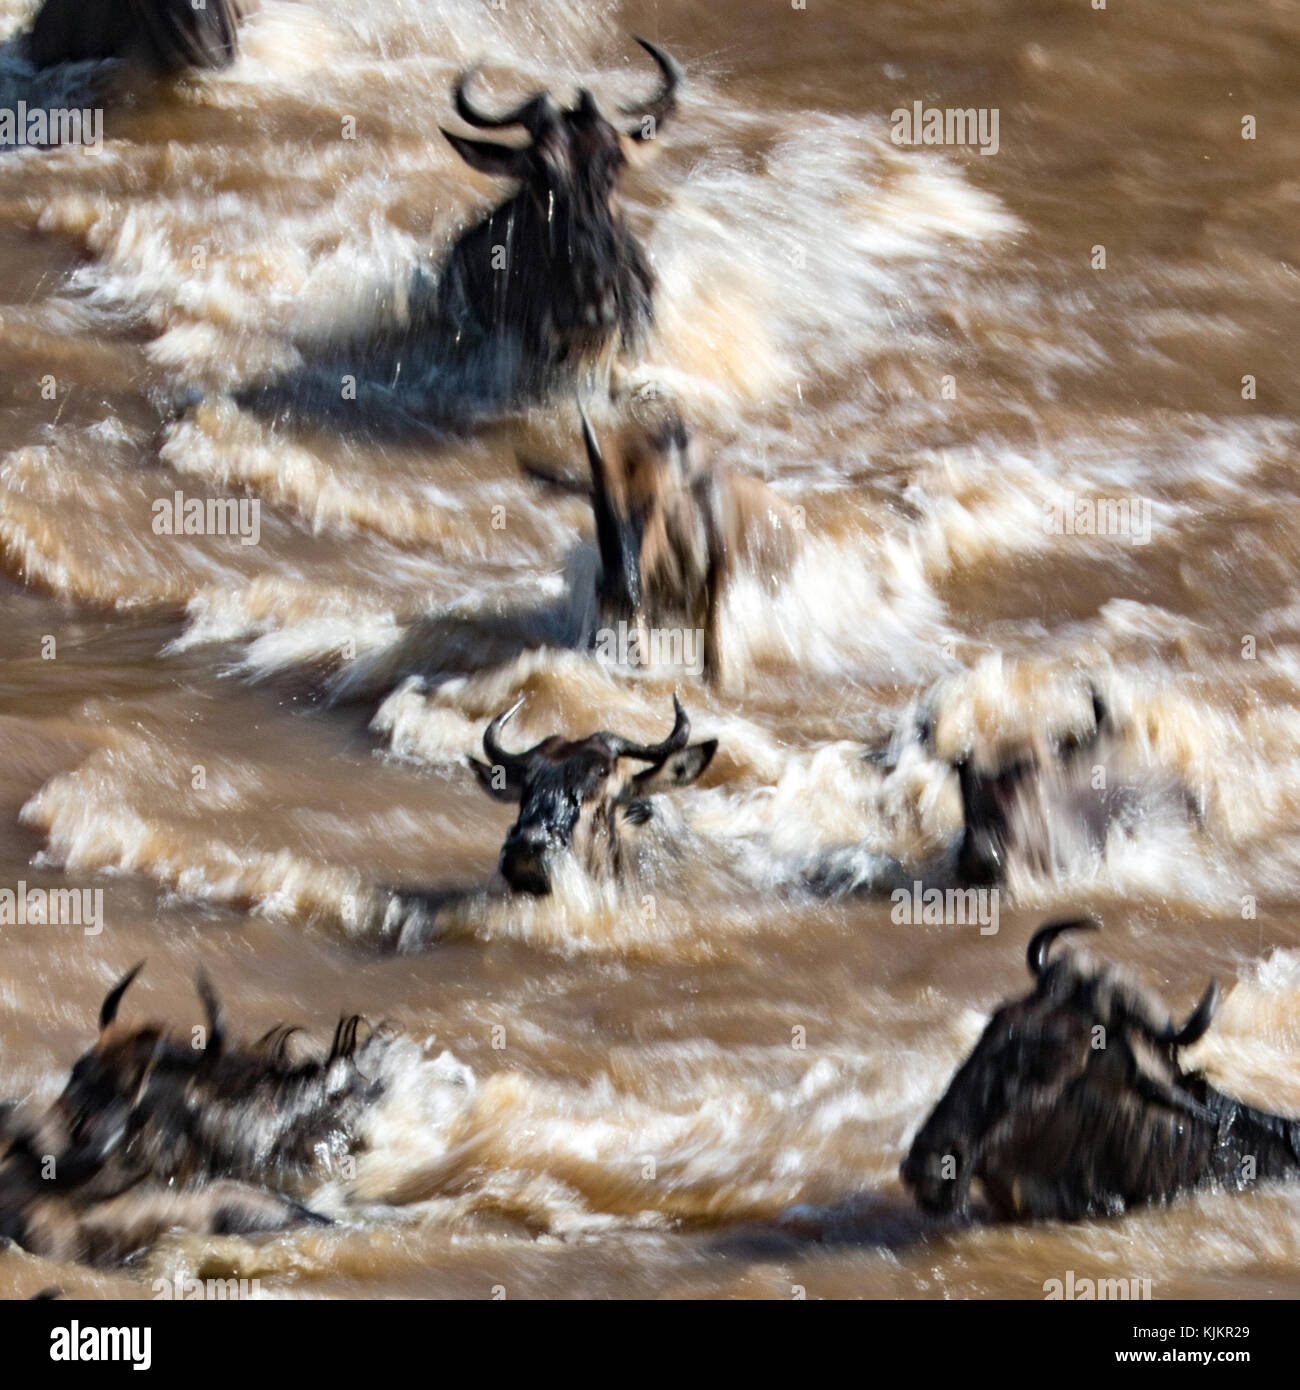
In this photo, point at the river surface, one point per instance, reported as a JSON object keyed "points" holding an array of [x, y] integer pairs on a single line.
{"points": [[701, 1086]]}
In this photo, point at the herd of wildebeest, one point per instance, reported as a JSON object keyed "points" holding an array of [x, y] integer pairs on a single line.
{"points": [[1074, 1102]]}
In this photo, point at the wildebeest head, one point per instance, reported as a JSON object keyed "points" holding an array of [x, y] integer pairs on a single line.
{"points": [[89, 1120], [1045, 796], [1073, 1102], [1002, 796], [572, 795], [572, 275]]}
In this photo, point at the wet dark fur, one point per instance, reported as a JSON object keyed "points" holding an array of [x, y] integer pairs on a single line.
{"points": [[1055, 1127], [573, 282], [167, 36], [150, 1129], [573, 795], [551, 279], [674, 529], [1056, 798]]}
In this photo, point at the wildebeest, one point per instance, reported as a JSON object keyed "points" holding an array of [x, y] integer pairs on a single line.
{"points": [[673, 530], [573, 795], [166, 36], [1047, 797], [1074, 1103], [552, 277], [157, 1128]]}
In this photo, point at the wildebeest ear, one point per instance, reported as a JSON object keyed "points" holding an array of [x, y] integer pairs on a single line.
{"points": [[679, 770], [501, 161], [502, 783]]}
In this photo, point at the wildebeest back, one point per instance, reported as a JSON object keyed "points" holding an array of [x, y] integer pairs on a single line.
{"points": [[169, 35]]}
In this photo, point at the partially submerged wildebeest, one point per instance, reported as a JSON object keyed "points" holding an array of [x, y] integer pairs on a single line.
{"points": [[1048, 798], [1074, 1104], [164, 36], [673, 530], [552, 277], [156, 1129], [573, 795]]}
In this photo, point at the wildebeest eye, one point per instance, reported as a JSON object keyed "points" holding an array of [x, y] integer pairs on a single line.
{"points": [[597, 776]]}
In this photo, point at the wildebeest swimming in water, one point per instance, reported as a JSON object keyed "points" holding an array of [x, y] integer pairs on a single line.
{"points": [[552, 277], [574, 795], [1074, 1104], [164, 36], [1055, 780], [674, 530], [550, 283], [1045, 798], [153, 1132]]}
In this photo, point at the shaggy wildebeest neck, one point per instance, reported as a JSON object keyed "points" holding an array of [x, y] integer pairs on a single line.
{"points": [[552, 274], [1073, 1103], [573, 796], [165, 35]]}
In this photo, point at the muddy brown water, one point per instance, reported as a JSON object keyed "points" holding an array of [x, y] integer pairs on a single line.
{"points": [[702, 1088]]}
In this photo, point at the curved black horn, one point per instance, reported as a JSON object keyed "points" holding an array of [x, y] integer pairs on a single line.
{"points": [[530, 114], [620, 559], [1100, 707], [1041, 942], [1198, 1024], [212, 1007], [108, 1009], [345, 1037], [655, 752], [595, 458], [275, 1041], [491, 746], [664, 102]]}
